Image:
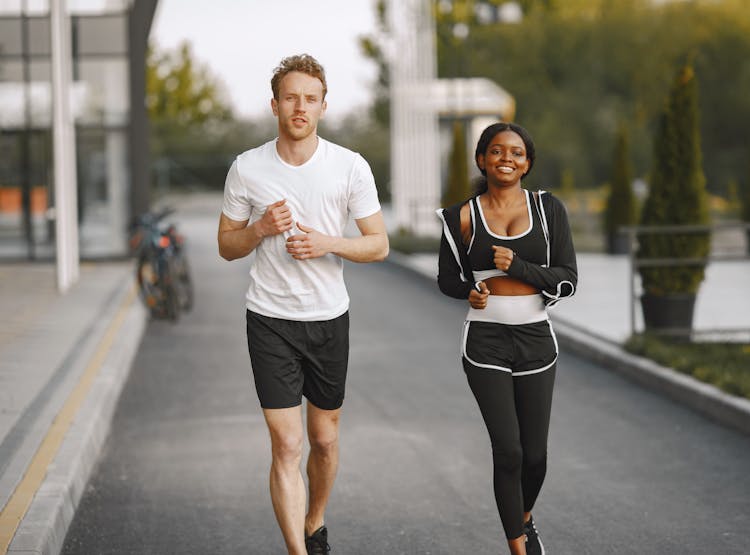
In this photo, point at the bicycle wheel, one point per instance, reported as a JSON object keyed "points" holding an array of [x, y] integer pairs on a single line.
{"points": [[169, 289], [184, 282], [147, 276]]}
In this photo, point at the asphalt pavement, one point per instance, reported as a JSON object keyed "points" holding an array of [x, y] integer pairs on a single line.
{"points": [[184, 467]]}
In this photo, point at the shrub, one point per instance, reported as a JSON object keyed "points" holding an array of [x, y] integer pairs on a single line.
{"points": [[458, 171], [677, 193], [620, 209]]}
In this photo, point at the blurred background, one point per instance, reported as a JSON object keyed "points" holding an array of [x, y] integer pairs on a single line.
{"points": [[584, 76]]}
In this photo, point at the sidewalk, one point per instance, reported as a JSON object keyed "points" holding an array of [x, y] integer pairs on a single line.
{"points": [[64, 360]]}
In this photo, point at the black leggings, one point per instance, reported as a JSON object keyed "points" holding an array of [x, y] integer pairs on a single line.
{"points": [[516, 410]]}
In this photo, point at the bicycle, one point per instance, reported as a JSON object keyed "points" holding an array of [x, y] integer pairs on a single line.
{"points": [[162, 271]]}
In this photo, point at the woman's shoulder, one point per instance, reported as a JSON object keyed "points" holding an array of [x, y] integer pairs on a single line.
{"points": [[550, 201]]}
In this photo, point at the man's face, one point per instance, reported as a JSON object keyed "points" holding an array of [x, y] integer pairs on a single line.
{"points": [[300, 105]]}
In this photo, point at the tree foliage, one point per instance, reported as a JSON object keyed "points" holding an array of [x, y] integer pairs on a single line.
{"points": [[180, 90], [620, 209], [744, 194], [193, 134], [677, 193], [459, 188], [372, 49], [577, 68]]}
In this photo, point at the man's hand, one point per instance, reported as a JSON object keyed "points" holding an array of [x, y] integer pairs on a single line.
{"points": [[277, 219], [312, 244], [478, 299], [503, 257]]}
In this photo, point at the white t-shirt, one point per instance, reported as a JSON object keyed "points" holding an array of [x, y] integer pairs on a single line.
{"points": [[333, 185]]}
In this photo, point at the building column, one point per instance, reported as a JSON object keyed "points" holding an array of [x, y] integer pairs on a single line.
{"points": [[415, 145], [64, 149]]}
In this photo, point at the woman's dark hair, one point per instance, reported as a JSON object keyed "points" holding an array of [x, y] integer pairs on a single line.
{"points": [[484, 142]]}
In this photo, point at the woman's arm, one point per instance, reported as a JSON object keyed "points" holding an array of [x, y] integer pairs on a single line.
{"points": [[560, 278], [454, 275]]}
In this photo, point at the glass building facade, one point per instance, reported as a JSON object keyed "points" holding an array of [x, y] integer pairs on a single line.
{"points": [[108, 40]]}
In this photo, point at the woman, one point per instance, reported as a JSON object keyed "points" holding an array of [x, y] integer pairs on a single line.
{"points": [[509, 252]]}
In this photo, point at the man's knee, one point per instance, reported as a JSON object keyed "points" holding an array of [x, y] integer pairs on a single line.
{"points": [[324, 442], [323, 431], [286, 448]]}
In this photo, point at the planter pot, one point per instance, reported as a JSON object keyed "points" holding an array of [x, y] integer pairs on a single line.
{"points": [[617, 243], [673, 311]]}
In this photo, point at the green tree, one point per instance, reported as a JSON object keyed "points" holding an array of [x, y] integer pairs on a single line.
{"points": [[744, 195], [677, 194], [620, 209], [579, 67], [458, 188], [182, 91], [370, 46], [193, 134]]}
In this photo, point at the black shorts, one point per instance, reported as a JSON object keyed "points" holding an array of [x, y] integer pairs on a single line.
{"points": [[520, 350], [292, 358]]}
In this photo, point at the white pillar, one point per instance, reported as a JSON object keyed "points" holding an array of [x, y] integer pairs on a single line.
{"points": [[415, 145], [64, 151]]}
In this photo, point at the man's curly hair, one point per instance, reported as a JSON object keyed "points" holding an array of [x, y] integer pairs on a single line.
{"points": [[304, 63]]}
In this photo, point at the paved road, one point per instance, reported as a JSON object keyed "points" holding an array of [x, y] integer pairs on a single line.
{"points": [[185, 468]]}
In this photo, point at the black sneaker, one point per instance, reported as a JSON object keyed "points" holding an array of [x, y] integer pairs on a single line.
{"points": [[534, 545], [317, 544]]}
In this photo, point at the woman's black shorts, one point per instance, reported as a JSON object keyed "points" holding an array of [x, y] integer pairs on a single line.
{"points": [[291, 358]]}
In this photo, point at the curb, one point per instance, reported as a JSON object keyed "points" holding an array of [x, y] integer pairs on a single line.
{"points": [[45, 524], [729, 410], [704, 398]]}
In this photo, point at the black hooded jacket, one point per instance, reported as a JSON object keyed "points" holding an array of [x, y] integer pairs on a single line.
{"points": [[557, 279]]}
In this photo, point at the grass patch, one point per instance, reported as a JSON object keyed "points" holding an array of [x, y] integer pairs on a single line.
{"points": [[725, 365]]}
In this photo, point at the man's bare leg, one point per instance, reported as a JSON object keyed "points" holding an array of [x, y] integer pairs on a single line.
{"points": [[287, 485], [323, 433]]}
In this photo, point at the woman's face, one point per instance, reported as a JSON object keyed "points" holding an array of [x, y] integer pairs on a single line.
{"points": [[505, 160]]}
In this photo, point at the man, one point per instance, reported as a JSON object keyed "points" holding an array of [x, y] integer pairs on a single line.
{"points": [[288, 201]]}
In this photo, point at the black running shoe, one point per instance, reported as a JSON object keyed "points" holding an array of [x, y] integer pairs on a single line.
{"points": [[317, 544], [534, 545]]}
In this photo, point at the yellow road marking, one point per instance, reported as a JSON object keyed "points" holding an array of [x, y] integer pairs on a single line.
{"points": [[20, 501]]}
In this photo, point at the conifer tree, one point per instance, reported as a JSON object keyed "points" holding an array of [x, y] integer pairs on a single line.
{"points": [[677, 193], [458, 188], [620, 209], [745, 205]]}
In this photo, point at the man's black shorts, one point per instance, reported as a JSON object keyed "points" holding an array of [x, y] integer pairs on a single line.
{"points": [[292, 358]]}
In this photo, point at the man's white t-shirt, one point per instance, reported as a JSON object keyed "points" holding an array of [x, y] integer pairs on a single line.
{"points": [[333, 185]]}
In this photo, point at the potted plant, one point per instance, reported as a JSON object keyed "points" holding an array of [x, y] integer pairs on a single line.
{"points": [[620, 209], [677, 196]]}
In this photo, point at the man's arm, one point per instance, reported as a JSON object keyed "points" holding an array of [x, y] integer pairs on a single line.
{"points": [[237, 239], [371, 246]]}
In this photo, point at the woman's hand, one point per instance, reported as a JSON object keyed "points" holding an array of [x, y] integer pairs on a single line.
{"points": [[503, 257], [478, 299]]}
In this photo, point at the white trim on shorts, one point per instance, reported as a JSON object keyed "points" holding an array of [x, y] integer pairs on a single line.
{"points": [[511, 311]]}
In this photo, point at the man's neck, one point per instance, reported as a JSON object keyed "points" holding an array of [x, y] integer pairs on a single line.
{"points": [[294, 152]]}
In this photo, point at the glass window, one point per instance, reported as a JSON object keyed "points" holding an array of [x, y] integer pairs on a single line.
{"points": [[102, 35], [37, 7], [41, 93], [12, 7], [10, 36], [97, 6], [39, 36], [105, 91], [12, 105], [11, 71]]}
